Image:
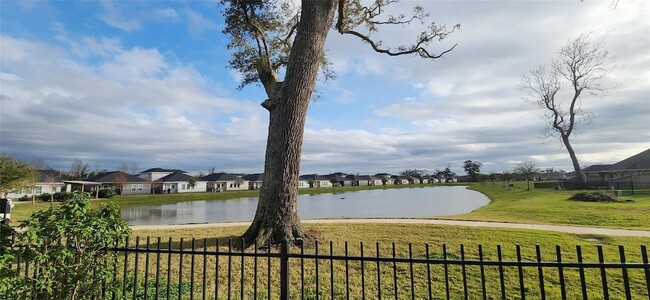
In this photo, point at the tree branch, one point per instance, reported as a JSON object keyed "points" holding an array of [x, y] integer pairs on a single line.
{"points": [[346, 26]]}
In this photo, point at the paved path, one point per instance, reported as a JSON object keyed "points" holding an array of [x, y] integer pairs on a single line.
{"points": [[558, 228]]}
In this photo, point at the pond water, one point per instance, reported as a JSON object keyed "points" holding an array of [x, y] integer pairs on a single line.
{"points": [[383, 203]]}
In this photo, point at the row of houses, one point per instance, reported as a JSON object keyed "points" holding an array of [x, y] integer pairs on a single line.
{"points": [[159, 180]]}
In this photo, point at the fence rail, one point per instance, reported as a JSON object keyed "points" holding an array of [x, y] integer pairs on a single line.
{"points": [[626, 187], [215, 269]]}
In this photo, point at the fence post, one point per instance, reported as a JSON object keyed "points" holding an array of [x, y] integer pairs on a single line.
{"points": [[284, 271]]}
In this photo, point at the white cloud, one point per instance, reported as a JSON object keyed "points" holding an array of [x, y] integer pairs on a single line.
{"points": [[198, 25], [115, 18]]}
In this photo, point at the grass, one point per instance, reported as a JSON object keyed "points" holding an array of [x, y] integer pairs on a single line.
{"points": [[229, 269], [548, 206]]}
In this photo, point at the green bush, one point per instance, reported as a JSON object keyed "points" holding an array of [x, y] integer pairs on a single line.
{"points": [[63, 196], [106, 193], [67, 245]]}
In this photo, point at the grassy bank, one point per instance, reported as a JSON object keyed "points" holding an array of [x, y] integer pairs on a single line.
{"points": [[548, 206], [230, 268]]}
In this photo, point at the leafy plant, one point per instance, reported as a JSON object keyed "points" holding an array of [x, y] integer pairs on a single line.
{"points": [[65, 246]]}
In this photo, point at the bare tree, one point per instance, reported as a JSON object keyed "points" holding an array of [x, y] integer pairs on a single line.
{"points": [[78, 169], [123, 167], [526, 169], [269, 39], [120, 180], [211, 170], [134, 168], [581, 66]]}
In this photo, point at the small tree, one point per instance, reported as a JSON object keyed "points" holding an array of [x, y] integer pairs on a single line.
{"points": [[14, 174], [506, 177], [446, 174], [473, 169], [120, 181], [526, 169], [78, 170], [66, 243], [192, 182]]}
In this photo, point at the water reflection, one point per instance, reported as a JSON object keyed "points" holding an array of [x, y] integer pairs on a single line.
{"points": [[386, 203]]}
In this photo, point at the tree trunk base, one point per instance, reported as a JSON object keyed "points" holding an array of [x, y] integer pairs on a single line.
{"points": [[273, 235]]}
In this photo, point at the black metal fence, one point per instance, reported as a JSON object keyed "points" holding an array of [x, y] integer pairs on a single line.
{"points": [[214, 269], [626, 187]]}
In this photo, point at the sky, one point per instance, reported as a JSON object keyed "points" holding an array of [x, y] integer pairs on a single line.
{"points": [[147, 82]]}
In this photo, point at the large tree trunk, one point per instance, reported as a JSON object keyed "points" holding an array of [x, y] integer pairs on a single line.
{"points": [[276, 218], [574, 160]]}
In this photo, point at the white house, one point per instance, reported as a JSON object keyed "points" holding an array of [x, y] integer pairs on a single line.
{"points": [[316, 181], [180, 183], [48, 182], [220, 182], [154, 174]]}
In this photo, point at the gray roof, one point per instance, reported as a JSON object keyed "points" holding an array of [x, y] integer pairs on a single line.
{"points": [[360, 177], [221, 176], [49, 176], [254, 177], [639, 161], [177, 176], [314, 177], [113, 177], [161, 170], [596, 168]]}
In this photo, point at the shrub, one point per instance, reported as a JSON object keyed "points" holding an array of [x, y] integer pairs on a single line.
{"points": [[44, 197], [66, 243], [62, 196], [106, 193]]}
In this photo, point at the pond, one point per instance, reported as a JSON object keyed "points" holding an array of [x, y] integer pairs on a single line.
{"points": [[381, 203]]}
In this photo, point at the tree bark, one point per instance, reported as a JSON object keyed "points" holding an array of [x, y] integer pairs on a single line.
{"points": [[574, 160], [276, 218]]}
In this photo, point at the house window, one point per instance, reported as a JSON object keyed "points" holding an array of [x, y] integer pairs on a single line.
{"points": [[140, 187], [134, 187]]}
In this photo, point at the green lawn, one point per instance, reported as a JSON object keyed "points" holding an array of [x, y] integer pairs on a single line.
{"points": [[548, 206], [402, 235]]}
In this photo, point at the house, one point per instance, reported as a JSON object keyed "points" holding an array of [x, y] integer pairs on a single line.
{"points": [[154, 174], [384, 178], [364, 180], [638, 164], [303, 183], [316, 181], [401, 179], [426, 179], [220, 182], [179, 182], [48, 182], [595, 173], [552, 176], [339, 179], [254, 180], [124, 184]]}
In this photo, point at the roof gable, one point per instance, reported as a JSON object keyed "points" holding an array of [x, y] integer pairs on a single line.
{"points": [[177, 176], [161, 170], [115, 176], [222, 176], [639, 161]]}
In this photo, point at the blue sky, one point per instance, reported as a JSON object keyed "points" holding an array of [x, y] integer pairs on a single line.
{"points": [[147, 82]]}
